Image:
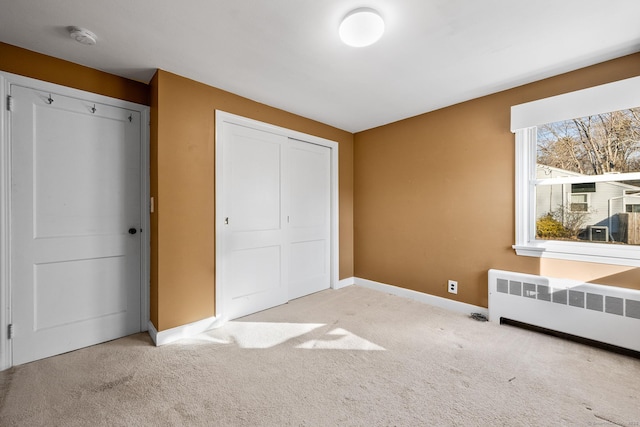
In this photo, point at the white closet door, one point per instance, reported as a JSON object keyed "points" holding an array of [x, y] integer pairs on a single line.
{"points": [[309, 200], [274, 219], [254, 276], [75, 266]]}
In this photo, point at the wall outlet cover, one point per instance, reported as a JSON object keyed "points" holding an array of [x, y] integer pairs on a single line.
{"points": [[452, 286]]}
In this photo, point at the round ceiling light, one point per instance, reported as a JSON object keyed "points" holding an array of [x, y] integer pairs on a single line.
{"points": [[82, 35], [361, 27]]}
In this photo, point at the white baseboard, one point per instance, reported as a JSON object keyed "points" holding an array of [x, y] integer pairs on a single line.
{"points": [[153, 332], [185, 331], [345, 282], [445, 303]]}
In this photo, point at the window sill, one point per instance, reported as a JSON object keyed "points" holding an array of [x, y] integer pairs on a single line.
{"points": [[583, 252]]}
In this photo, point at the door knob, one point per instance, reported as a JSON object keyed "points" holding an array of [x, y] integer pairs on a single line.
{"points": [[133, 230]]}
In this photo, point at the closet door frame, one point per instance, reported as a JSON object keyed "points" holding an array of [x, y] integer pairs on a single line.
{"points": [[224, 117]]}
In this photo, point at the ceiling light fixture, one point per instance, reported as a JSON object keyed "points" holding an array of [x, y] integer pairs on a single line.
{"points": [[361, 27], [82, 35]]}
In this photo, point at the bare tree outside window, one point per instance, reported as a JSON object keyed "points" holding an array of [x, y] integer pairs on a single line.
{"points": [[593, 145]]}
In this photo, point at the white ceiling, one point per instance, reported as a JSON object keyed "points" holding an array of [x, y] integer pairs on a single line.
{"points": [[286, 53]]}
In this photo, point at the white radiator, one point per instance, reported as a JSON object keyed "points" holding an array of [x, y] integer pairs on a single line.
{"points": [[602, 313]]}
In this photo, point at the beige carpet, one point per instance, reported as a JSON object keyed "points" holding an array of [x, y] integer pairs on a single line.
{"points": [[353, 357]]}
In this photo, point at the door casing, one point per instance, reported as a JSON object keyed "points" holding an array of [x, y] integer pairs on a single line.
{"points": [[6, 80], [222, 117]]}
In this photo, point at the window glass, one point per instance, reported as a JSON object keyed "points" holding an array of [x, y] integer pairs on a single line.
{"points": [[579, 203], [592, 145], [563, 215], [572, 152], [585, 187]]}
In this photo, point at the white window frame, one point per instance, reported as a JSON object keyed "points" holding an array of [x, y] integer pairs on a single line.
{"points": [[525, 118]]}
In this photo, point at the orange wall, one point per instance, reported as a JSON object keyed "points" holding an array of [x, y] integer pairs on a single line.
{"points": [[42, 67], [182, 174], [422, 200], [434, 195], [183, 287]]}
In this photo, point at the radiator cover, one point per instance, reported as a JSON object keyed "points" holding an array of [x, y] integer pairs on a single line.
{"points": [[607, 314]]}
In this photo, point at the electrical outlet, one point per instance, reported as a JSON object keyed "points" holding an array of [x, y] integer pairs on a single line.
{"points": [[452, 287]]}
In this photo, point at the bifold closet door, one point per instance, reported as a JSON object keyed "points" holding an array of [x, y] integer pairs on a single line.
{"points": [[75, 223]]}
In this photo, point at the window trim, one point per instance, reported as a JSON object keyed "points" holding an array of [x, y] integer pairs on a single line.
{"points": [[614, 96]]}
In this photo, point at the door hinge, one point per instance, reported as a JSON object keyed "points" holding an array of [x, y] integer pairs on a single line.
{"points": [[10, 331], [10, 103], [152, 205]]}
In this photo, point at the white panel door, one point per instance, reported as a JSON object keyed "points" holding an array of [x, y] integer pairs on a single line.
{"points": [[253, 234], [309, 218], [274, 219], [75, 264]]}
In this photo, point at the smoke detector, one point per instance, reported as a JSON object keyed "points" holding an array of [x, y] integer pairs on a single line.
{"points": [[82, 35]]}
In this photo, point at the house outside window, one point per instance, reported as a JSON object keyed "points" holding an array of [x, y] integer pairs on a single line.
{"points": [[578, 175]]}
